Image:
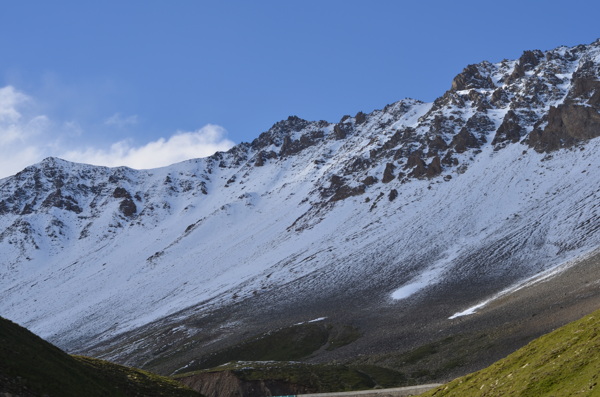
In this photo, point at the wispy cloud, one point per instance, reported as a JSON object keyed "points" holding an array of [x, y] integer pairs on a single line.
{"points": [[26, 137], [121, 121]]}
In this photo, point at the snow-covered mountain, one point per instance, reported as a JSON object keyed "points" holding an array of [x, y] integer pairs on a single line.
{"points": [[493, 183]]}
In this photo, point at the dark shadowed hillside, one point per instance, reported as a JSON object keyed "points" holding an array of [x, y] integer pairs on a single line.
{"points": [[31, 367]]}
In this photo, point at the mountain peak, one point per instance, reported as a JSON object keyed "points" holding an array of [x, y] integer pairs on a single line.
{"points": [[406, 204]]}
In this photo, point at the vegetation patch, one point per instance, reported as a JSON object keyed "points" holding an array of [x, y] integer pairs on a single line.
{"points": [[286, 344]]}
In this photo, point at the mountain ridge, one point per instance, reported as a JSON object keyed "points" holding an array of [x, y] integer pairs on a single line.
{"points": [[491, 183]]}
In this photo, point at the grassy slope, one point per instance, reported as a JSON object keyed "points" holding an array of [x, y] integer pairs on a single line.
{"points": [[30, 366], [565, 362]]}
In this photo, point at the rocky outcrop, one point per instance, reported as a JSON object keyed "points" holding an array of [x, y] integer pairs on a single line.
{"points": [[290, 147], [388, 173], [58, 200], [416, 163], [434, 168], [127, 205], [419, 168], [510, 130], [340, 131], [472, 77], [263, 156], [464, 140], [567, 125], [338, 189], [227, 384], [526, 62], [585, 85]]}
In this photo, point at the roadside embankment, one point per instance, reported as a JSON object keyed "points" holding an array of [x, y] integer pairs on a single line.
{"points": [[395, 392]]}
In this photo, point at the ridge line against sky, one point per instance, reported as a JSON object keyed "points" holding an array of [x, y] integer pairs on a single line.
{"points": [[147, 84]]}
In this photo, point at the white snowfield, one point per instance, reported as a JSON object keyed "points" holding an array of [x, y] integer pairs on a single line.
{"points": [[217, 230]]}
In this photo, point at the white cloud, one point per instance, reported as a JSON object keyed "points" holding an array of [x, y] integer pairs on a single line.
{"points": [[179, 147], [18, 132], [120, 121], [10, 99], [27, 137]]}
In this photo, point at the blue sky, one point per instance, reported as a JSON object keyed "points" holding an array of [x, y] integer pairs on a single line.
{"points": [[149, 83]]}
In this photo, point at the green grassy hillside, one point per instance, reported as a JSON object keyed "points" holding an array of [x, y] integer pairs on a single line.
{"points": [[30, 366], [565, 362]]}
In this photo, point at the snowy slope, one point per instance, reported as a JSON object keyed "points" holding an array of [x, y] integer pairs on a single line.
{"points": [[494, 182]]}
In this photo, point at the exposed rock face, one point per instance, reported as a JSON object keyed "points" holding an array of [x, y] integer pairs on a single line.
{"points": [[360, 118], [473, 76], [264, 156], [434, 168], [388, 173], [57, 200], [338, 189], [417, 164], [341, 130], [290, 147], [510, 130], [127, 206], [566, 126], [585, 86], [464, 140], [526, 62]]}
